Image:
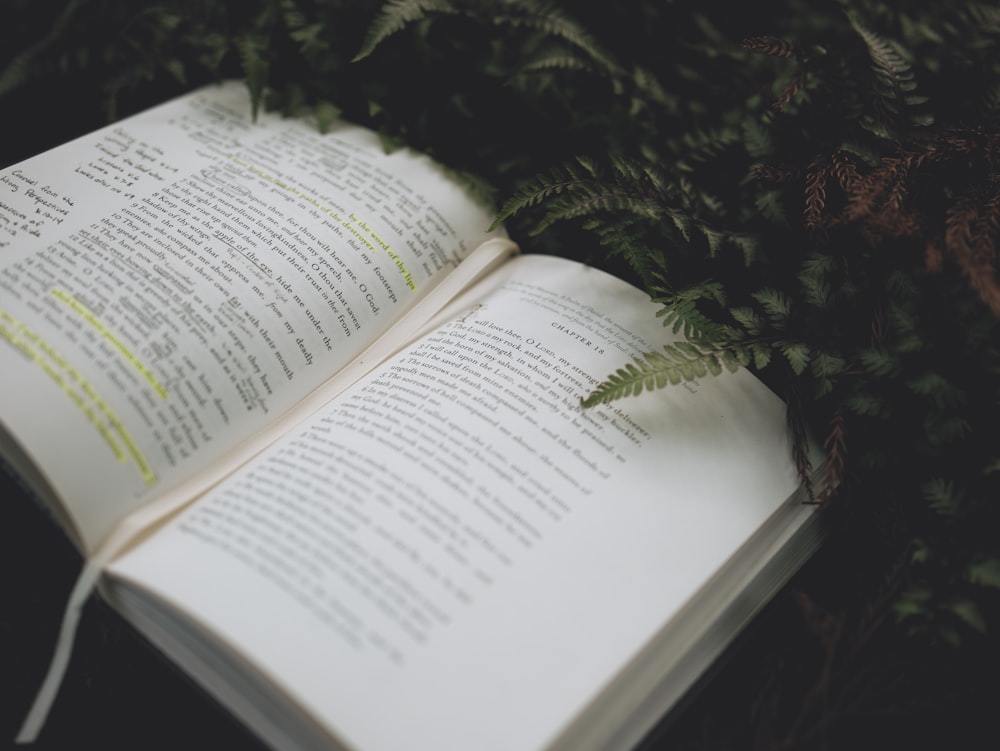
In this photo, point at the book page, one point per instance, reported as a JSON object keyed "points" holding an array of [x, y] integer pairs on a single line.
{"points": [[172, 283], [455, 544]]}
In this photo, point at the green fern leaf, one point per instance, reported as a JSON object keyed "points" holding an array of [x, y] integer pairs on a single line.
{"points": [[544, 186], [894, 82], [748, 244], [941, 497], [968, 612], [677, 362], [913, 601], [715, 240], [985, 573], [748, 319], [682, 222], [554, 23], [761, 356], [879, 362], [797, 354], [777, 305], [757, 140], [15, 73], [326, 114], [771, 206], [557, 60], [591, 201], [942, 430], [866, 404], [649, 86], [396, 15], [735, 358], [940, 390], [255, 70], [680, 310], [826, 365], [816, 288], [714, 364]]}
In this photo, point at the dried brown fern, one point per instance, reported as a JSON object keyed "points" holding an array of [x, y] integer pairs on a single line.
{"points": [[776, 47], [845, 169], [776, 174], [969, 237], [772, 46], [815, 194], [955, 222], [933, 257], [835, 445]]}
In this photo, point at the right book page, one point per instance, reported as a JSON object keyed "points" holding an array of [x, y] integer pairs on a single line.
{"points": [[454, 554]]}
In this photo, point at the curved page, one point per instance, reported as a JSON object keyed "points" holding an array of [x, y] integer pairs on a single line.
{"points": [[172, 283], [453, 554]]}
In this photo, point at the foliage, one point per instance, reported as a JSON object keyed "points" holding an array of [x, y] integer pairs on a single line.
{"points": [[808, 189]]}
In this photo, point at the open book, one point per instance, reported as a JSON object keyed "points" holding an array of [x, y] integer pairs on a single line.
{"points": [[319, 437]]}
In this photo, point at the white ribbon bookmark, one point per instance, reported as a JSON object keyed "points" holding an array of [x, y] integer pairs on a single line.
{"points": [[85, 583], [127, 531]]}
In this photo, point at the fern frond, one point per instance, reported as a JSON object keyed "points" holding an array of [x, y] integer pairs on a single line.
{"points": [[940, 390], [772, 46], [969, 237], [757, 139], [680, 310], [326, 114], [879, 362], [15, 73], [798, 428], [985, 573], [778, 174], [990, 106], [797, 354], [648, 86], [748, 319], [678, 362], [845, 169], [627, 238], [589, 199], [866, 404], [396, 15], [942, 496], [555, 60], [983, 15], [814, 277], [639, 176], [255, 69], [701, 146], [894, 83], [554, 23], [582, 188], [825, 365], [770, 204], [815, 198], [542, 187], [777, 305]]}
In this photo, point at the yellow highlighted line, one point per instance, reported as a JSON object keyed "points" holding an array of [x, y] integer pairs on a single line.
{"points": [[403, 270], [379, 242], [42, 354], [81, 310], [375, 235]]}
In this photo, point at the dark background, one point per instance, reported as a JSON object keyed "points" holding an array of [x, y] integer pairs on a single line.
{"points": [[816, 670]]}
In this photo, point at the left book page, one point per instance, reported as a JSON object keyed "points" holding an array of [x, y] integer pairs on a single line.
{"points": [[172, 284]]}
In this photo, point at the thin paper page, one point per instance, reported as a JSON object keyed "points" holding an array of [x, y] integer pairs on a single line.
{"points": [[456, 545], [172, 283]]}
